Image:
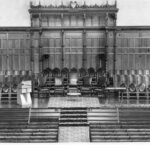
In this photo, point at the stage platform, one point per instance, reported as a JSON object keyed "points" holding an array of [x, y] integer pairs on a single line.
{"points": [[62, 102]]}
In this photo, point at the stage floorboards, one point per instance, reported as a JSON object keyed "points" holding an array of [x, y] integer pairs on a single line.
{"points": [[73, 102], [66, 102]]}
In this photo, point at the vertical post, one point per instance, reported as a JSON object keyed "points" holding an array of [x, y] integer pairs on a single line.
{"points": [[40, 20], [62, 40], [32, 57], [29, 117], [118, 119], [84, 43], [115, 45], [62, 48], [40, 50], [114, 59], [106, 50], [84, 49]]}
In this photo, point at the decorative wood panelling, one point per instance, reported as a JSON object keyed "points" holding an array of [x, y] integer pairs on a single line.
{"points": [[134, 49], [14, 50]]}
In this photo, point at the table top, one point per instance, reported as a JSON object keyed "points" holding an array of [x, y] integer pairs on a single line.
{"points": [[115, 88], [73, 94]]}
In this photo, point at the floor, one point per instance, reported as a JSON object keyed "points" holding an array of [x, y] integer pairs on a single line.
{"points": [[73, 134], [78, 102], [73, 102]]}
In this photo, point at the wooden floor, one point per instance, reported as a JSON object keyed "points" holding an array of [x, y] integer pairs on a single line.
{"points": [[66, 102], [89, 102]]}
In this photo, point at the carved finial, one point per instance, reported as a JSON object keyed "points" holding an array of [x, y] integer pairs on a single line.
{"points": [[62, 3], [84, 3], [107, 3], [39, 3], [116, 3], [31, 3]]}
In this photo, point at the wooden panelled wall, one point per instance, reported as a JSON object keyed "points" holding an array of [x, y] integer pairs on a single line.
{"points": [[14, 52], [72, 20], [74, 49], [68, 49], [133, 50]]}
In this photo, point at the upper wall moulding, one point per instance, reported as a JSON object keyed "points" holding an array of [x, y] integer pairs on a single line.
{"points": [[74, 4]]}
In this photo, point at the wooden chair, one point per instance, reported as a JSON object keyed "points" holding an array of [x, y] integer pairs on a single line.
{"points": [[58, 87], [86, 89], [73, 82]]}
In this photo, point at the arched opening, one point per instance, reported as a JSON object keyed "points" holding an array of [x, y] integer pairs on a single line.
{"points": [[56, 72], [91, 72], [65, 75], [100, 72], [82, 72], [65, 72]]}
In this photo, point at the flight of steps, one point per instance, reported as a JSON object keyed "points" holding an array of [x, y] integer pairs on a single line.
{"points": [[133, 126], [73, 117], [14, 127], [12, 121], [115, 133], [46, 123]]}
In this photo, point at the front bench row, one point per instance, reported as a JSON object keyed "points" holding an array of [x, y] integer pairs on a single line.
{"points": [[85, 86]]}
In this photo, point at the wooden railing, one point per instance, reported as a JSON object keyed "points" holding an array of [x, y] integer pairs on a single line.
{"points": [[29, 118]]}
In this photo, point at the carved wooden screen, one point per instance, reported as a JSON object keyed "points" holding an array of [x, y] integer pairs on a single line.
{"points": [[73, 20], [73, 50], [95, 46], [51, 45], [35, 51], [133, 50], [35, 21], [15, 52], [95, 20], [3, 51]]}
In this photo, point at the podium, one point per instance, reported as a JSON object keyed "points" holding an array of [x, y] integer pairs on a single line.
{"points": [[23, 94]]}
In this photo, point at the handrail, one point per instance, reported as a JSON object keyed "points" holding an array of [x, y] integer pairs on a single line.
{"points": [[29, 116]]}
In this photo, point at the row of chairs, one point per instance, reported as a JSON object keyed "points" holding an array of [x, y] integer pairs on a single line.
{"points": [[136, 88], [86, 85]]}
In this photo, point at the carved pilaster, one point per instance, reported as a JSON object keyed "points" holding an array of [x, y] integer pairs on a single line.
{"points": [[62, 47], [84, 49], [84, 43], [40, 20], [114, 59], [106, 51], [62, 19], [106, 19], [40, 51], [31, 52]]}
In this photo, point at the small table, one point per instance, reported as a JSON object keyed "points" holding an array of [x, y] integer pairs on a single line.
{"points": [[73, 95], [115, 90]]}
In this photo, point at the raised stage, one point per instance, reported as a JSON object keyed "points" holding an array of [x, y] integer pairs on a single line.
{"points": [[70, 101]]}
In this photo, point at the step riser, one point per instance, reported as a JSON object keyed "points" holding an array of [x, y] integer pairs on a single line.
{"points": [[73, 117]]}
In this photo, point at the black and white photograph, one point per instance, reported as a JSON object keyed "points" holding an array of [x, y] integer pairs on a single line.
{"points": [[74, 71]]}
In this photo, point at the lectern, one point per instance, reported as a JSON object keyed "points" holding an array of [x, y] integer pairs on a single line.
{"points": [[23, 94]]}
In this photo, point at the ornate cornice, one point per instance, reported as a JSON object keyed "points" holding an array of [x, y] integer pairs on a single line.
{"points": [[73, 5]]}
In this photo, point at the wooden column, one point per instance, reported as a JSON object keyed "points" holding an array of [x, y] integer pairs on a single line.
{"points": [[40, 52], [114, 59], [32, 59], [106, 51], [115, 45], [84, 43], [62, 41], [31, 20], [40, 20], [31, 51], [62, 48], [106, 19]]}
